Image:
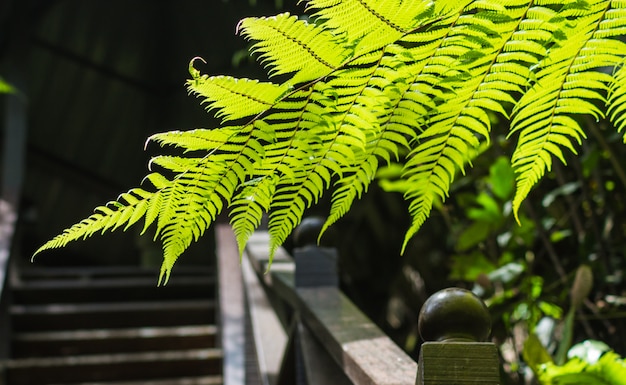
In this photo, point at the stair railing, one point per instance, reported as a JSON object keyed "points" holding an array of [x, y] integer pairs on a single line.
{"points": [[301, 329], [8, 218], [13, 129]]}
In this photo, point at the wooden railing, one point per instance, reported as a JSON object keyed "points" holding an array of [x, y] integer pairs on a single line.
{"points": [[12, 164], [13, 133], [8, 218], [297, 327]]}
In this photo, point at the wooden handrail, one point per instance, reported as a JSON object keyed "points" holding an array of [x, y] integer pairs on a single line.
{"points": [[322, 322], [12, 157], [356, 344], [8, 219], [231, 307]]}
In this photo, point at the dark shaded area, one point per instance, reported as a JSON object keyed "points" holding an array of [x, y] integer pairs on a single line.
{"points": [[101, 77], [98, 79]]}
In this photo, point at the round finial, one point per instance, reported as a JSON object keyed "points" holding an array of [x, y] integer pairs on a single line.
{"points": [[307, 231], [454, 314]]}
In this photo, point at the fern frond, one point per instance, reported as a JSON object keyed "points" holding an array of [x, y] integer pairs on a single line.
{"points": [[367, 82], [494, 67], [404, 104], [367, 25], [392, 136], [341, 109], [570, 81], [195, 140], [248, 207], [188, 204], [617, 99], [126, 210], [235, 98], [201, 188], [288, 45]]}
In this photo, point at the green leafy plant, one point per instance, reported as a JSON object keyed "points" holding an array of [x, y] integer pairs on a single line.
{"points": [[590, 362], [363, 83]]}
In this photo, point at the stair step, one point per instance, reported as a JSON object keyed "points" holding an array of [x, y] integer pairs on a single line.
{"points": [[204, 380], [114, 367], [75, 342], [111, 289], [61, 316], [34, 273]]}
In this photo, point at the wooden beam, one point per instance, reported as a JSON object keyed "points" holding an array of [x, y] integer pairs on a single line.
{"points": [[8, 217], [366, 354], [231, 306], [270, 339], [363, 351], [319, 366]]}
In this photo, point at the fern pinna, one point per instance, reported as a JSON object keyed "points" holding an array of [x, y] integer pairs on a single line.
{"points": [[363, 81]]}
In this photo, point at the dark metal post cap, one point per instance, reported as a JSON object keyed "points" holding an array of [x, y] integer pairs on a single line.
{"points": [[454, 314]]}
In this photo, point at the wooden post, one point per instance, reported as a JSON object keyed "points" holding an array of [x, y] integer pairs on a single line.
{"points": [[454, 324], [232, 308], [316, 267]]}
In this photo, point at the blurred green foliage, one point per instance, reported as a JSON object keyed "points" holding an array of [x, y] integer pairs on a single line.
{"points": [[5, 88], [526, 272], [590, 363]]}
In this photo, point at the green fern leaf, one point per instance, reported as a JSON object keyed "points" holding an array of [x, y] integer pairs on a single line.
{"points": [[368, 25], [188, 206], [289, 45], [461, 121], [369, 81], [196, 140], [567, 84], [248, 207], [128, 209], [617, 99], [235, 98]]}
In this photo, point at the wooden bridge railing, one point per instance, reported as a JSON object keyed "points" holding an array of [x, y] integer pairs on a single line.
{"points": [[296, 327], [8, 218]]}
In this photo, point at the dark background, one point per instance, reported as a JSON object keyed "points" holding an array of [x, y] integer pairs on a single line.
{"points": [[96, 78]]}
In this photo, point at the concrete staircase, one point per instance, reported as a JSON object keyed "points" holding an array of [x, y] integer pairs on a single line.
{"points": [[112, 325]]}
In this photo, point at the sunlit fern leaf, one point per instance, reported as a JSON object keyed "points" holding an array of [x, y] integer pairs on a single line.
{"points": [[351, 187], [360, 101], [249, 206], [299, 191], [235, 98], [323, 143], [196, 140], [370, 24], [460, 122], [197, 193], [127, 209], [397, 118], [617, 100], [188, 207], [570, 81], [286, 45]]}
